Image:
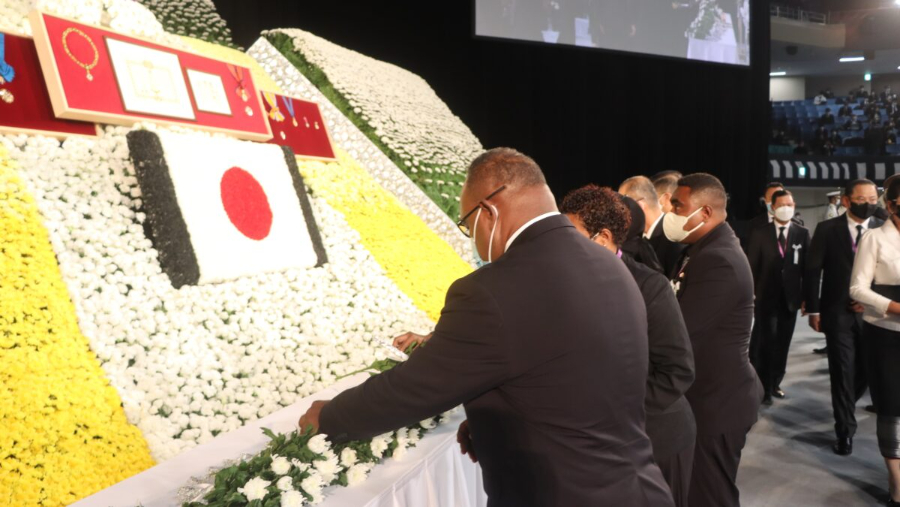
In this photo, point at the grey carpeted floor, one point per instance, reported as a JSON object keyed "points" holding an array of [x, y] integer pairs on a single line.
{"points": [[788, 460]]}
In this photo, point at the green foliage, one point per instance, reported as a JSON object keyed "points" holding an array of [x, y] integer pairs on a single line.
{"points": [[426, 176]]}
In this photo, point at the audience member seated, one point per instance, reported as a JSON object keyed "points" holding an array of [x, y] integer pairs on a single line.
{"points": [[845, 111], [827, 118]]}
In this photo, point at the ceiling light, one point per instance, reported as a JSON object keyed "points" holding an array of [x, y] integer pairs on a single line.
{"points": [[783, 73], [847, 59], [868, 77]]}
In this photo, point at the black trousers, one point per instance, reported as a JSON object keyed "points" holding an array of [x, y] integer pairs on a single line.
{"points": [[676, 470], [846, 367], [714, 477], [775, 329]]}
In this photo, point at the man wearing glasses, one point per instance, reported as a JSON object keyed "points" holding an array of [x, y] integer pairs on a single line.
{"points": [[831, 311], [546, 347]]}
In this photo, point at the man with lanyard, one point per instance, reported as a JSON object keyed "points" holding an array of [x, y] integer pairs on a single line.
{"points": [[831, 311], [777, 254]]}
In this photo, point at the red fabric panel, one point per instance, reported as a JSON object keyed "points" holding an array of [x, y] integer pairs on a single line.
{"points": [[31, 108], [304, 139], [102, 94]]}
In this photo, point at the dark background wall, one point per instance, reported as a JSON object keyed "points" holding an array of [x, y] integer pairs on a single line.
{"points": [[584, 115]]}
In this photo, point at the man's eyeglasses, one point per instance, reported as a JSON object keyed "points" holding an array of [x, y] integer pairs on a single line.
{"points": [[463, 227]]}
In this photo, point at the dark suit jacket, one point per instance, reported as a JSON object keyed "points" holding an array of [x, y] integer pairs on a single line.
{"points": [[547, 350], [668, 252], [670, 420], [774, 275], [716, 298], [830, 262]]}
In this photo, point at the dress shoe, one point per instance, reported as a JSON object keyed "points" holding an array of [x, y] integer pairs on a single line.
{"points": [[823, 350], [843, 447], [778, 393], [767, 400]]}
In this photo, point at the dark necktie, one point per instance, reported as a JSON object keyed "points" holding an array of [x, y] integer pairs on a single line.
{"points": [[859, 230], [782, 241]]}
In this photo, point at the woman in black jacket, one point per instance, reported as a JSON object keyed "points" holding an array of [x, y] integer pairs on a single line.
{"points": [[603, 216]]}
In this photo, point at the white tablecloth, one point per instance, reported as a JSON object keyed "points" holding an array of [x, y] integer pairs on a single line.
{"points": [[433, 473], [723, 49]]}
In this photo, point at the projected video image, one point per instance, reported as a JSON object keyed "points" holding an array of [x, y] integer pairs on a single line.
{"points": [[709, 30]]}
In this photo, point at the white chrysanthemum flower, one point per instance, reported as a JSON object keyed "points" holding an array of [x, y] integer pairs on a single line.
{"points": [[357, 473], [329, 468], [286, 483], [348, 457], [280, 465], [428, 424], [292, 499], [255, 489], [319, 444], [313, 485]]}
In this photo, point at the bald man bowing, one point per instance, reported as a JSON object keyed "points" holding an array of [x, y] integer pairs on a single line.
{"points": [[553, 388], [714, 287]]}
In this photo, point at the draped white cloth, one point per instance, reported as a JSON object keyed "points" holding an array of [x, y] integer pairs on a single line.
{"points": [[433, 473], [722, 49]]}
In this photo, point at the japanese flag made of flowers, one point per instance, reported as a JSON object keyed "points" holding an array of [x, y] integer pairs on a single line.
{"points": [[219, 208]]}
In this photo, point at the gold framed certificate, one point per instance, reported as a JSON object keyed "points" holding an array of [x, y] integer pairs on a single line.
{"points": [[150, 81], [209, 92]]}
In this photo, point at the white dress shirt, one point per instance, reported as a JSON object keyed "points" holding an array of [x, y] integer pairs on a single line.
{"points": [[877, 261], [528, 224], [652, 228], [787, 229], [851, 224]]}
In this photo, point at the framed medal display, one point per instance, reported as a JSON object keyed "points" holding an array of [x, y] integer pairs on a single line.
{"points": [[24, 102], [98, 75], [298, 124]]}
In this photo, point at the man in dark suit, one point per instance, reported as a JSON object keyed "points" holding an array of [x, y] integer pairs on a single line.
{"points": [[642, 190], [777, 255], [546, 347], [831, 310], [765, 217], [715, 290]]}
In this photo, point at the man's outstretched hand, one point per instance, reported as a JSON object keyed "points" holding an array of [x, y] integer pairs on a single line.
{"points": [[464, 437], [311, 418], [406, 340]]}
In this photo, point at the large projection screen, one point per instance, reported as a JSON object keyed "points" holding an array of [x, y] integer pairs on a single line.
{"points": [[708, 30]]}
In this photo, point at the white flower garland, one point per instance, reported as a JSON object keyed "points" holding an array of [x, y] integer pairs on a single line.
{"points": [[345, 133], [407, 114], [194, 362]]}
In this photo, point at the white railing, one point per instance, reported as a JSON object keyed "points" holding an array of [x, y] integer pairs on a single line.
{"points": [[783, 11]]}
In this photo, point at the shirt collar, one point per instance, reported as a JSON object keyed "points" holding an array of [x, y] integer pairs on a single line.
{"points": [[528, 224], [852, 223], [652, 228], [778, 226]]}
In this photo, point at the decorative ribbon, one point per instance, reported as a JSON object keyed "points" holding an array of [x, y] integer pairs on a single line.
{"points": [[289, 107], [274, 111], [6, 70], [238, 74]]}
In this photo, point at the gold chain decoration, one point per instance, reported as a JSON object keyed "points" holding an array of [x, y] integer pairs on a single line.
{"points": [[86, 66]]}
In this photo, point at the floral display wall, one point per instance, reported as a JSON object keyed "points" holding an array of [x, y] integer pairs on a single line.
{"points": [[115, 369]]}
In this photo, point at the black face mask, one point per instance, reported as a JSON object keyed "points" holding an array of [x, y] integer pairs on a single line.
{"points": [[863, 210]]}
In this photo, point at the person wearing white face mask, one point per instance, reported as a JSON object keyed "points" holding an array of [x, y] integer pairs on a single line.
{"points": [[777, 256], [714, 287]]}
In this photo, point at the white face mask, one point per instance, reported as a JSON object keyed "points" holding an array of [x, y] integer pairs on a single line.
{"points": [[673, 226], [784, 213], [491, 242]]}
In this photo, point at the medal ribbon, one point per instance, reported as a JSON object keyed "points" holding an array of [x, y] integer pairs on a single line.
{"points": [[288, 105], [274, 111], [6, 70], [238, 74]]}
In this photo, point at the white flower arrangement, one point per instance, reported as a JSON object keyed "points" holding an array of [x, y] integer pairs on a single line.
{"points": [[124, 16], [191, 363], [376, 163], [191, 18], [255, 489], [404, 111]]}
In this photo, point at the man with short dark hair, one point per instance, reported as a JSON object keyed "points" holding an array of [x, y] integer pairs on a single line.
{"points": [[714, 286], [665, 187], [545, 347], [831, 310], [641, 189], [777, 255]]}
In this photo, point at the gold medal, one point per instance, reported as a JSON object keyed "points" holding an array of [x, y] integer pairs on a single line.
{"points": [[249, 111], [6, 96], [283, 136], [295, 122]]}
